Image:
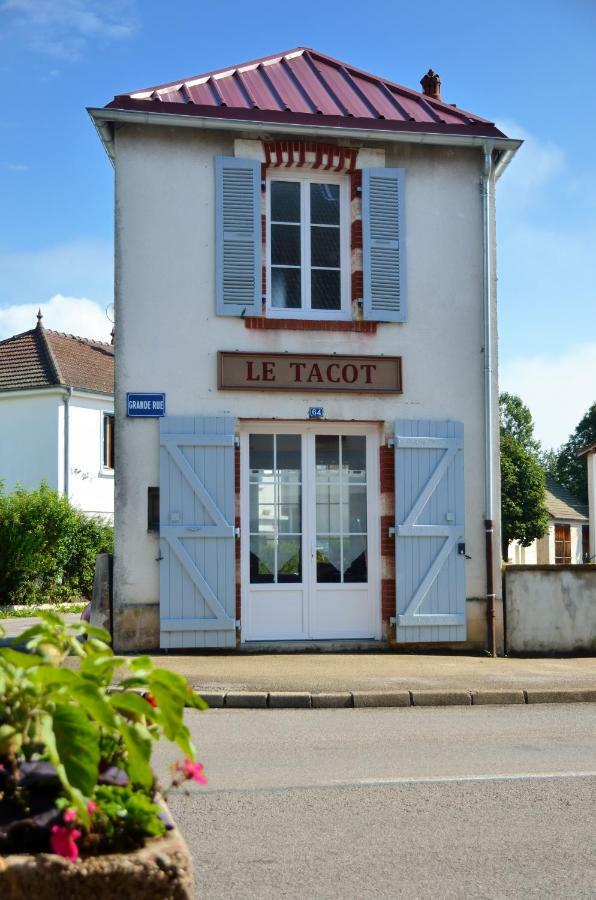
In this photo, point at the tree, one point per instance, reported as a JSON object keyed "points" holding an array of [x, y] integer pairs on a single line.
{"points": [[570, 470], [523, 512]]}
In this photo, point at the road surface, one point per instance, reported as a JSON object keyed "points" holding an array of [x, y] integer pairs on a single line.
{"points": [[415, 803]]}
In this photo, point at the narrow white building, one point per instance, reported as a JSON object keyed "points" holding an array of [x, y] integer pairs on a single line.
{"points": [[57, 416], [306, 379], [566, 541], [590, 454]]}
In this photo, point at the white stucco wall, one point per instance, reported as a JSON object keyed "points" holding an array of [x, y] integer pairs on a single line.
{"points": [[591, 463], [542, 551], [29, 439], [167, 335], [91, 487]]}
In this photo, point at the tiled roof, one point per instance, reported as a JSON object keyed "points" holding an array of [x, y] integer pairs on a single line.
{"points": [[43, 358], [561, 504], [303, 86]]}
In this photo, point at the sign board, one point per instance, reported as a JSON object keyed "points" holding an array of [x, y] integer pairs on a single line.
{"points": [[316, 412], [145, 405], [309, 372]]}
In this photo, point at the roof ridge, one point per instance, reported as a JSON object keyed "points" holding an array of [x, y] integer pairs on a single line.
{"points": [[40, 330], [77, 337]]}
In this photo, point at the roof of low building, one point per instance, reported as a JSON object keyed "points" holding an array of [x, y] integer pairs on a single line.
{"points": [[42, 358], [562, 504], [303, 86]]}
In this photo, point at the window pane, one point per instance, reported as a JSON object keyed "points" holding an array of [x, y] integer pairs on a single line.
{"points": [[355, 566], [285, 288], [327, 457], [325, 290], [262, 560], [324, 204], [285, 244], [353, 456], [289, 562], [285, 201], [328, 560], [260, 453], [324, 246], [288, 456], [290, 512], [262, 508], [328, 508], [354, 510]]}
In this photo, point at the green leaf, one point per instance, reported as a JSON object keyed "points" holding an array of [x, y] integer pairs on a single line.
{"points": [[141, 666], [132, 703], [48, 675], [20, 660], [92, 631], [77, 746], [170, 691], [138, 743], [94, 701]]}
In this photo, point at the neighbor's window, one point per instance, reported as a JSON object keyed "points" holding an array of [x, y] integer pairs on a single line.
{"points": [[307, 246], [562, 545], [108, 441]]}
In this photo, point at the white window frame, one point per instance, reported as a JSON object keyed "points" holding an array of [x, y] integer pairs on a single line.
{"points": [[306, 312]]}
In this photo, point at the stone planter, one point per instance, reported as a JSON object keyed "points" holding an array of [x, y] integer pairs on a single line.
{"points": [[162, 870]]}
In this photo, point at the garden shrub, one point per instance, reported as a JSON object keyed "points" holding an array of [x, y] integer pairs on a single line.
{"points": [[47, 547]]}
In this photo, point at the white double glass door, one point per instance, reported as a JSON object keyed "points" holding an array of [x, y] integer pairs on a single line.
{"points": [[309, 532]]}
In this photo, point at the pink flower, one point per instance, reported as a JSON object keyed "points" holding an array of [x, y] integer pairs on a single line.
{"points": [[63, 841], [192, 770], [69, 815], [91, 807]]}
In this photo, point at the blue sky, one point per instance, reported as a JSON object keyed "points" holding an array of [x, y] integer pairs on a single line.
{"points": [[528, 66]]}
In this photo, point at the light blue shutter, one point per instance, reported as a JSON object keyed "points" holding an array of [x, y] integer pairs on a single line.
{"points": [[237, 236], [383, 243], [429, 503], [196, 509]]}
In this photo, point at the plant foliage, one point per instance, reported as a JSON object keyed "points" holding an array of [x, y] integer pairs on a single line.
{"points": [[71, 736], [523, 512], [571, 470], [47, 547]]}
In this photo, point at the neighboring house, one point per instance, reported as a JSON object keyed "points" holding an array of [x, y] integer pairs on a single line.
{"points": [[57, 416], [305, 269], [590, 453], [567, 540]]}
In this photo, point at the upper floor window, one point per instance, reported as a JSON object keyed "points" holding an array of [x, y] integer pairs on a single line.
{"points": [[307, 245], [108, 441]]}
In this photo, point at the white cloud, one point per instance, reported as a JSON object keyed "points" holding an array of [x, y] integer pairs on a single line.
{"points": [[17, 167], [81, 268], [75, 315], [535, 166], [63, 28], [557, 389]]}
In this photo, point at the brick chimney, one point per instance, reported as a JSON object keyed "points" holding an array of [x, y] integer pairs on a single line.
{"points": [[431, 85]]}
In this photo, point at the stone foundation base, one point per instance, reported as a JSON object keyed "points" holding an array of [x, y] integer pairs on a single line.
{"points": [[162, 870], [136, 627]]}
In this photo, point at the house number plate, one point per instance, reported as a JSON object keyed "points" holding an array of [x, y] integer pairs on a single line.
{"points": [[316, 412]]}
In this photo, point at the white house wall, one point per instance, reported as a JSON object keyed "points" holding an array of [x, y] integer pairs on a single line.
{"points": [[167, 334], [29, 439], [91, 487]]}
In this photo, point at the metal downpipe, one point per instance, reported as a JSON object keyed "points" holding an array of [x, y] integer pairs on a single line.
{"points": [[488, 400]]}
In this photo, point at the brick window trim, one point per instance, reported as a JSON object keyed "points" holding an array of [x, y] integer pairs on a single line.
{"points": [[264, 324]]}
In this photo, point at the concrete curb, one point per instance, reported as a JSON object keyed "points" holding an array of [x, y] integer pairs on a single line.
{"points": [[391, 699]]}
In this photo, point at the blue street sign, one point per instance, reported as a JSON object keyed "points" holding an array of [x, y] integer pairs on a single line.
{"points": [[145, 405], [316, 412]]}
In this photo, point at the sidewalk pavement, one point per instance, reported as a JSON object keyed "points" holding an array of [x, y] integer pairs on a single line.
{"points": [[381, 679]]}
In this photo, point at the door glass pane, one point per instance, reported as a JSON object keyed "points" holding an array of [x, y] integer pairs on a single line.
{"points": [[285, 288], [285, 201], [275, 499], [328, 560], [341, 506], [355, 563], [324, 204]]}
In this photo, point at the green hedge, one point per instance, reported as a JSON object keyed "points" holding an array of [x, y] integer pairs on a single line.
{"points": [[47, 547]]}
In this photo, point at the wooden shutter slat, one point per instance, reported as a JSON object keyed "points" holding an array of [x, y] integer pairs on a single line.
{"points": [[383, 245], [237, 236]]}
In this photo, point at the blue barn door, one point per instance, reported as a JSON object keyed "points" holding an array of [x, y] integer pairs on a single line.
{"points": [[197, 537], [429, 502]]}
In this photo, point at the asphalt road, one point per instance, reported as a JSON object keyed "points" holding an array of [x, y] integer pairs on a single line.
{"points": [[449, 802]]}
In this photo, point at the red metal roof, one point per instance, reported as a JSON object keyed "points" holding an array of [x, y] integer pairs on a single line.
{"points": [[301, 85]]}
